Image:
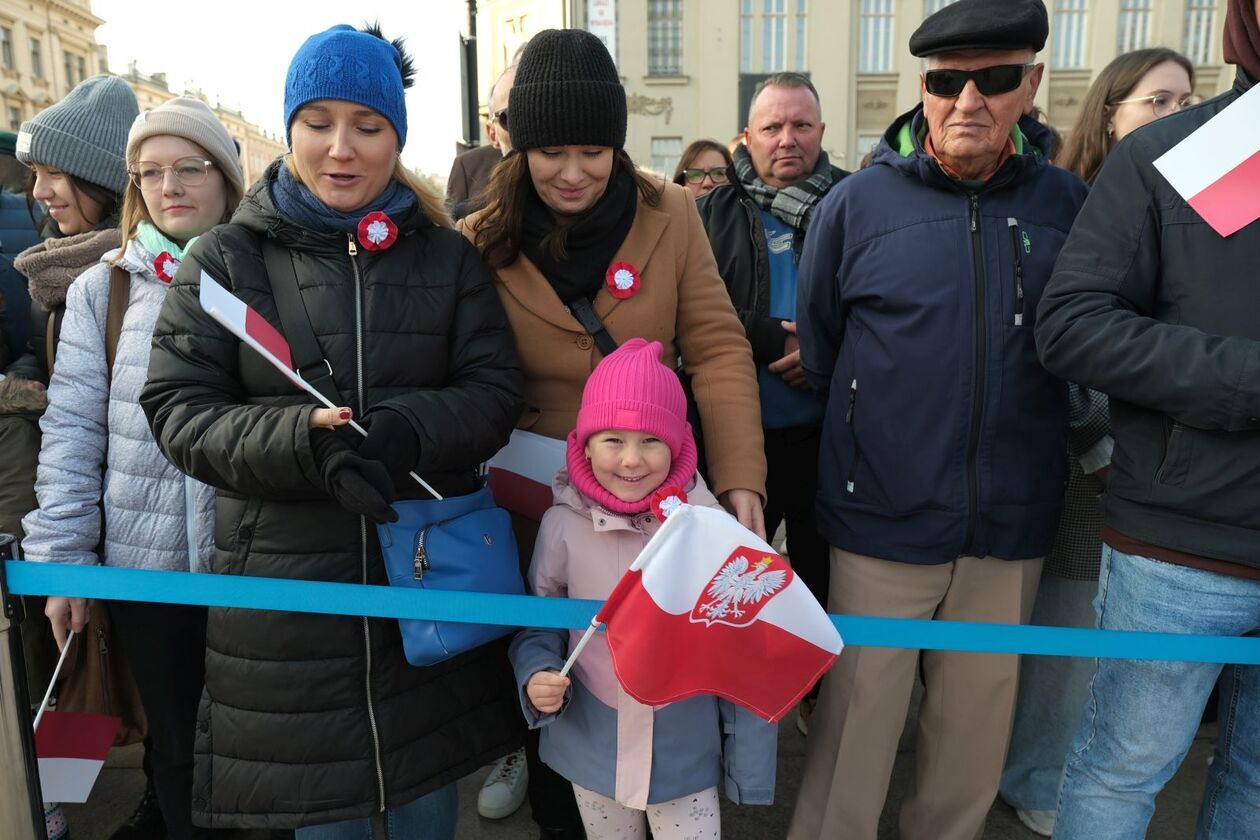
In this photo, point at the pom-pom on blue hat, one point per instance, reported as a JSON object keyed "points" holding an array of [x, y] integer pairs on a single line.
{"points": [[344, 63]]}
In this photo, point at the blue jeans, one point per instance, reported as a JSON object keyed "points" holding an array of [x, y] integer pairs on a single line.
{"points": [[431, 817], [1053, 691], [1142, 716]]}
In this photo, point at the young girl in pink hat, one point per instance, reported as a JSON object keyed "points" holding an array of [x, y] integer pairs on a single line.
{"points": [[629, 763]]}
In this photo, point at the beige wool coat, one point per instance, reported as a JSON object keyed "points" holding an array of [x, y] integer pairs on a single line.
{"points": [[681, 303]]}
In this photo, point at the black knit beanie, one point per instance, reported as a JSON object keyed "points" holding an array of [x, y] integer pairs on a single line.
{"points": [[567, 93]]}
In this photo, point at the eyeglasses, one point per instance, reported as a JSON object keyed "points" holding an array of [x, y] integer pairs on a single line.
{"points": [[990, 81], [189, 171], [695, 176], [1163, 104], [501, 117]]}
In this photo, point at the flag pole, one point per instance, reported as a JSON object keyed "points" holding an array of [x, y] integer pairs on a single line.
{"points": [[61, 660], [586, 637]]}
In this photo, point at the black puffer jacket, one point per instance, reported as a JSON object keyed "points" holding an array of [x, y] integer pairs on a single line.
{"points": [[309, 719], [1154, 308], [732, 222]]}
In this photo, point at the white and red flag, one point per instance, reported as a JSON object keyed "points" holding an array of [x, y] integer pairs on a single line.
{"points": [[246, 324], [1217, 168], [71, 749], [710, 608], [521, 473]]}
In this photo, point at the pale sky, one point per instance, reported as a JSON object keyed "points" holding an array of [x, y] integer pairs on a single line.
{"points": [[237, 52]]}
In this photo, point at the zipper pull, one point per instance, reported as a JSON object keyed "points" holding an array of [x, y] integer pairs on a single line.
{"points": [[975, 212], [848, 415], [420, 563], [354, 249], [1012, 224]]}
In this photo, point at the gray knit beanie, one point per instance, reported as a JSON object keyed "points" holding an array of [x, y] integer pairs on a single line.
{"points": [[193, 120], [84, 134]]}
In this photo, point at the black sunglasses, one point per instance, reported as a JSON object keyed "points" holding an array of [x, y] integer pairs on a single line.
{"points": [[501, 118], [990, 81]]}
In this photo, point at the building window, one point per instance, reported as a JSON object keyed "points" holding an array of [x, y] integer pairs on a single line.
{"points": [[875, 51], [665, 37], [15, 118], [802, 10], [6, 47], [1135, 25], [1200, 30], [82, 68], [1069, 34], [68, 67], [931, 7], [782, 36], [665, 154], [37, 59]]}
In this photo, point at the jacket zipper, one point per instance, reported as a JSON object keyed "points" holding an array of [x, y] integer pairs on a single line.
{"points": [[857, 449], [102, 651], [977, 402], [759, 249], [1013, 226], [1176, 429], [367, 636]]}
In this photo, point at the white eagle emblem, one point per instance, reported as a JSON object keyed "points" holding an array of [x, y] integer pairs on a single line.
{"points": [[623, 279], [739, 589]]}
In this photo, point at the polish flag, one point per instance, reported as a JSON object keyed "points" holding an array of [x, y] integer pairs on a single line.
{"points": [[521, 473], [71, 749], [1217, 168], [709, 608], [246, 324]]}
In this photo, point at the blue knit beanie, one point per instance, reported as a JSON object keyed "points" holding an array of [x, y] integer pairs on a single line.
{"points": [[344, 63]]}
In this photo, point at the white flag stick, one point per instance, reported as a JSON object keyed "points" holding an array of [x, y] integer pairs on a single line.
{"points": [[586, 637], [43, 706], [292, 375]]}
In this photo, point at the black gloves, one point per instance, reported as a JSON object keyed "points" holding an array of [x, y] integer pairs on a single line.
{"points": [[360, 485], [391, 441]]}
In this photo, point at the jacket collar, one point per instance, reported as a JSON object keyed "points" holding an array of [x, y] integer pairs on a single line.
{"points": [[527, 285], [1243, 82]]}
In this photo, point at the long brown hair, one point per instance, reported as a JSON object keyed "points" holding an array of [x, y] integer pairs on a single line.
{"points": [[1090, 141], [694, 151], [498, 230]]}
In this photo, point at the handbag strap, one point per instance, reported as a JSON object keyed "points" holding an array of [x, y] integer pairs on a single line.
{"points": [[119, 298], [308, 359], [585, 314]]}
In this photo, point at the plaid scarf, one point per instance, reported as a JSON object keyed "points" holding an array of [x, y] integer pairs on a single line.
{"points": [[792, 205]]}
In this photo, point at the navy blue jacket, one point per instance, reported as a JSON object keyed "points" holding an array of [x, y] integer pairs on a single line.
{"points": [[17, 233], [944, 436]]}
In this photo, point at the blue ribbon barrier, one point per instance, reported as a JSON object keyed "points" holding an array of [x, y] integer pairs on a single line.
{"points": [[527, 611]]}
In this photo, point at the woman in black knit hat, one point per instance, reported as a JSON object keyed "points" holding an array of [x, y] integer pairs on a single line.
{"points": [[589, 252]]}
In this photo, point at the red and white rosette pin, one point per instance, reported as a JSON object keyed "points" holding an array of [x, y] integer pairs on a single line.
{"points": [[377, 231], [165, 266], [666, 500], [622, 279]]}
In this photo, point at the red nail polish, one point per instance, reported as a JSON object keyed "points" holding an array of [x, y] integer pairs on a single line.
{"points": [[345, 414]]}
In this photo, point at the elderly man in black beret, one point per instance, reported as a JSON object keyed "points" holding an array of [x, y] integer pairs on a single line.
{"points": [[944, 444]]}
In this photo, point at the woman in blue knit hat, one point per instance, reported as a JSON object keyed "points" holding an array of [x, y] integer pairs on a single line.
{"points": [[317, 722]]}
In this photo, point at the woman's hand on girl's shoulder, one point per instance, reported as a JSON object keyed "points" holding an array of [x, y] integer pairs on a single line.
{"points": [[546, 690]]}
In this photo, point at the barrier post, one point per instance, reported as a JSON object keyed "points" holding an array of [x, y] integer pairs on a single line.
{"points": [[21, 806]]}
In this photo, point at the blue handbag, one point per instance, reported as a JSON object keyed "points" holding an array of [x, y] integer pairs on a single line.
{"points": [[460, 543]]}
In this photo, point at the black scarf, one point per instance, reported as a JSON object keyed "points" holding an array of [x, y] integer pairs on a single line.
{"points": [[589, 243]]}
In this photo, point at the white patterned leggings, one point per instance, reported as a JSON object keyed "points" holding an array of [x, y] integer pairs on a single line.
{"points": [[693, 817]]}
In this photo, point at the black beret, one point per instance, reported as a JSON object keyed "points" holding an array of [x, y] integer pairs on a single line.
{"points": [[983, 25]]}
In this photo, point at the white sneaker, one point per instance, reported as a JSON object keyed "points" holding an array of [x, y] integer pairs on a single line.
{"points": [[504, 789], [1041, 822]]}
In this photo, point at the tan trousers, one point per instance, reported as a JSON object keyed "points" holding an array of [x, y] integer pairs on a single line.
{"points": [[966, 714]]}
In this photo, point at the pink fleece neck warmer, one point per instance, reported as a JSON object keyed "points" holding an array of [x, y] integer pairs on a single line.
{"points": [[631, 390]]}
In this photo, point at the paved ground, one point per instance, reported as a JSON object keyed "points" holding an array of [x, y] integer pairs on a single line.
{"points": [[121, 783]]}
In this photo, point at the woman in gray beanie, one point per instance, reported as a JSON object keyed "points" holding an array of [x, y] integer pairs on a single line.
{"points": [[185, 178]]}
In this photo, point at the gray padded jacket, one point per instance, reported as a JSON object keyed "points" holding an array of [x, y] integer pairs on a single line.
{"points": [[153, 511]]}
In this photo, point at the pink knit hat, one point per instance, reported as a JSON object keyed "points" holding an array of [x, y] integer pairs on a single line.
{"points": [[631, 389]]}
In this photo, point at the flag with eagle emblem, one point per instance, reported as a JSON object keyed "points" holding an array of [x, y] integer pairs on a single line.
{"points": [[710, 608]]}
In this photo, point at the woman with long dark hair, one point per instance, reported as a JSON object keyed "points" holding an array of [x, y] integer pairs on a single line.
{"points": [[1134, 89], [588, 252]]}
